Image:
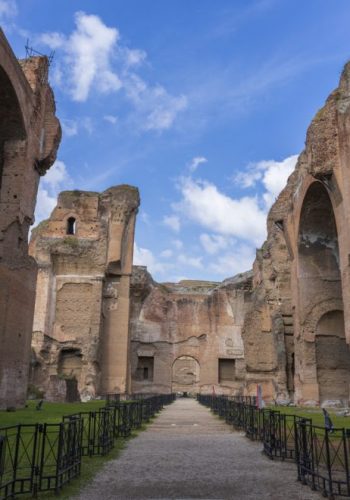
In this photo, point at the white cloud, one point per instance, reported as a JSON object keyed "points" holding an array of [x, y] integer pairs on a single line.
{"points": [[166, 254], [56, 180], [144, 257], [213, 243], [195, 162], [238, 260], [172, 221], [133, 57], [54, 40], [155, 104], [87, 56], [110, 119], [8, 9], [94, 60], [204, 204], [186, 260], [272, 174]]}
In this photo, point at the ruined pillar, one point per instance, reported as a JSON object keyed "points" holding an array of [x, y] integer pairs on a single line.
{"points": [[124, 202]]}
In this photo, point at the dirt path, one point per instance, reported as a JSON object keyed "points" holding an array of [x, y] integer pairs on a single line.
{"points": [[189, 453]]}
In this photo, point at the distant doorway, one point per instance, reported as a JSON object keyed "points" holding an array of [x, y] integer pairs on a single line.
{"points": [[72, 393], [185, 375]]}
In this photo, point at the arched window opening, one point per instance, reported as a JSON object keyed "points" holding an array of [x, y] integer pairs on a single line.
{"points": [[71, 225]]}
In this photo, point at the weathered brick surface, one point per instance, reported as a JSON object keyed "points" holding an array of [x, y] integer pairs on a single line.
{"points": [[30, 134], [81, 323]]}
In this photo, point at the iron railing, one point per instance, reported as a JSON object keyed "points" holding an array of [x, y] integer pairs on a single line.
{"points": [[44, 457], [322, 455]]}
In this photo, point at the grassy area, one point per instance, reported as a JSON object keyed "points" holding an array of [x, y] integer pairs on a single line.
{"points": [[50, 413], [315, 414]]}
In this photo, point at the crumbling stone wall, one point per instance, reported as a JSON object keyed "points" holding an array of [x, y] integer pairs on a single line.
{"points": [[80, 333], [184, 330], [301, 275], [29, 137]]}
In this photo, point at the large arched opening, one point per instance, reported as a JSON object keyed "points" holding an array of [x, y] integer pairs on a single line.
{"points": [[11, 127], [320, 287]]}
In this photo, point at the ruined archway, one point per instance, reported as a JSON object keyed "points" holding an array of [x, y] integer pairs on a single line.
{"points": [[332, 358], [69, 367], [325, 357], [11, 120], [185, 374], [318, 246]]}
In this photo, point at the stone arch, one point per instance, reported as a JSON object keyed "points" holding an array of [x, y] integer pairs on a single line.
{"points": [[315, 314], [323, 356], [185, 374], [332, 358], [319, 277], [11, 121], [14, 72], [71, 225]]}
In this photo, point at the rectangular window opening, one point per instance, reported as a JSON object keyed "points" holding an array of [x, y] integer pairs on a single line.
{"points": [[145, 368], [227, 370]]}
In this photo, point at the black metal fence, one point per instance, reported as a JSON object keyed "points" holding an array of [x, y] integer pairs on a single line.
{"points": [[44, 457], [320, 454]]}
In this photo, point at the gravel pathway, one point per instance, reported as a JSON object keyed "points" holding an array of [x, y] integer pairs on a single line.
{"points": [[189, 453]]}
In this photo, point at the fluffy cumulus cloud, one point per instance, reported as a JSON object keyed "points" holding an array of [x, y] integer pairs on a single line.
{"points": [[203, 203], [87, 55], [57, 179], [271, 174], [234, 226], [92, 59]]}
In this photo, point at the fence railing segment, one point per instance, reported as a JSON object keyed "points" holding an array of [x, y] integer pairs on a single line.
{"points": [[44, 457], [321, 455]]}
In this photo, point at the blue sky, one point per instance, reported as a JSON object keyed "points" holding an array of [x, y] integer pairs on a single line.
{"points": [[202, 105]]}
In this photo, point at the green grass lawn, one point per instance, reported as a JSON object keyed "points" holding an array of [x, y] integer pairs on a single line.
{"points": [[315, 414], [50, 413]]}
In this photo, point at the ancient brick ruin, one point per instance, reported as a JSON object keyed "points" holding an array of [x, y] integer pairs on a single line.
{"points": [[30, 134], [296, 326], [102, 326], [285, 325], [81, 325], [187, 337]]}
